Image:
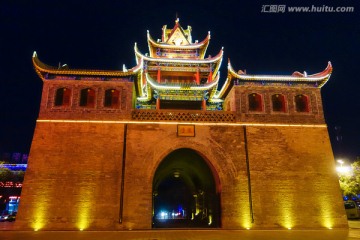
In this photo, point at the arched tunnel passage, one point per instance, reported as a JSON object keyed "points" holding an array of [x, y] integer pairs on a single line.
{"points": [[186, 192]]}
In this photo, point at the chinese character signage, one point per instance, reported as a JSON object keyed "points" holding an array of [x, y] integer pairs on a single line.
{"points": [[186, 130]]}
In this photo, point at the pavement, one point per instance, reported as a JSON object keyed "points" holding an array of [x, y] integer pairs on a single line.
{"points": [[354, 224], [354, 229], [352, 233]]}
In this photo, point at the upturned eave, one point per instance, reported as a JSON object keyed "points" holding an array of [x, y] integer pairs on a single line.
{"points": [[42, 69], [202, 46], [201, 87], [214, 59], [321, 78], [316, 80]]}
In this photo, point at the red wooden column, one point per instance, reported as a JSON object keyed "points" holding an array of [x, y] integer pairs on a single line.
{"points": [[204, 105], [158, 80], [210, 75], [197, 76], [158, 75], [144, 78], [158, 103]]}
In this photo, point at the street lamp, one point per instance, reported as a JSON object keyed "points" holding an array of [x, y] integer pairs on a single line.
{"points": [[341, 162], [343, 169]]}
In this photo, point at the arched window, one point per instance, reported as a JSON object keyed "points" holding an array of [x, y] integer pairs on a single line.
{"points": [[87, 98], [62, 97], [255, 102], [111, 98], [302, 103], [278, 103]]}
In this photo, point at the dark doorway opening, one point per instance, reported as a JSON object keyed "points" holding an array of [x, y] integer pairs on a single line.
{"points": [[185, 192]]}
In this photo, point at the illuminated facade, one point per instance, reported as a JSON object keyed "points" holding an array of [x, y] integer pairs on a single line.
{"points": [[164, 145]]}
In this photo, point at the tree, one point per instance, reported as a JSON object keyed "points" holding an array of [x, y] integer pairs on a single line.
{"points": [[7, 175], [350, 183]]}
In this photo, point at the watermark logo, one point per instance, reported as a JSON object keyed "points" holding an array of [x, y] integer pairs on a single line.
{"points": [[273, 8], [307, 9]]}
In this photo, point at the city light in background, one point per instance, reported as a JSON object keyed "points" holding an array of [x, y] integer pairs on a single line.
{"points": [[343, 169]]}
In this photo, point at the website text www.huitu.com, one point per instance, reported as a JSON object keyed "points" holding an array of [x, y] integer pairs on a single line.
{"points": [[303, 9]]}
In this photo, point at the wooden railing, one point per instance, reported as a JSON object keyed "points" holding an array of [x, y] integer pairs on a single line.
{"points": [[183, 115]]}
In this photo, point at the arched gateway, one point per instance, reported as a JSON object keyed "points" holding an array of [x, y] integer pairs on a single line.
{"points": [[102, 137], [185, 192]]}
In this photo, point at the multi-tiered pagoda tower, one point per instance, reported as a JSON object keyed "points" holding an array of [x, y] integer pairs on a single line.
{"points": [[176, 72], [162, 145]]}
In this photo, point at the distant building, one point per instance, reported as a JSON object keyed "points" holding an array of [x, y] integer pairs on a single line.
{"points": [[13, 158], [162, 145], [10, 189]]}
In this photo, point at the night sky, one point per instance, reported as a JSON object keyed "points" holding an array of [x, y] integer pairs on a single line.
{"points": [[101, 35]]}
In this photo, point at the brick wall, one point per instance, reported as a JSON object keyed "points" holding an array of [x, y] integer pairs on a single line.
{"points": [[73, 177], [74, 171], [79, 174], [237, 100], [48, 110], [293, 178]]}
